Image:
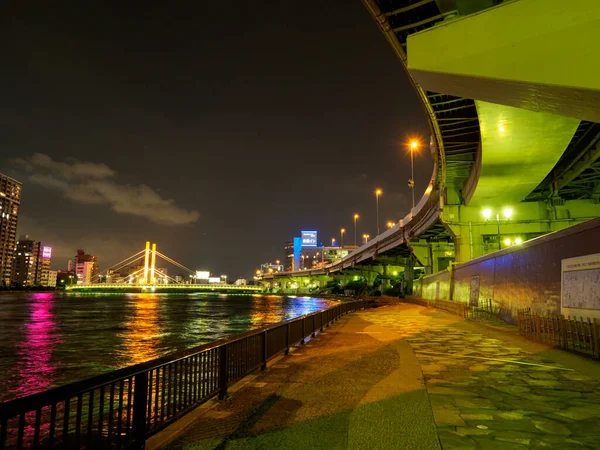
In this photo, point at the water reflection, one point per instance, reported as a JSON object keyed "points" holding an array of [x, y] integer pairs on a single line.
{"points": [[142, 332], [49, 339], [265, 310], [35, 368]]}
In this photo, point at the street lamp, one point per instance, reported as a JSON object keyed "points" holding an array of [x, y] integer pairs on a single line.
{"points": [[356, 216], [487, 215], [414, 145], [366, 238], [333, 242], [391, 224], [378, 192], [342, 231]]}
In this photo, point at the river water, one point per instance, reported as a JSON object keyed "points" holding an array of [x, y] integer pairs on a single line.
{"points": [[49, 339]]}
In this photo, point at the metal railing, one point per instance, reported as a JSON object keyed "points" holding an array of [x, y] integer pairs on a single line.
{"points": [[121, 409], [578, 335]]}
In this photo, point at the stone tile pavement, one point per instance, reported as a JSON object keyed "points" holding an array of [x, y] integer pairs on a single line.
{"points": [[406, 377], [487, 393]]}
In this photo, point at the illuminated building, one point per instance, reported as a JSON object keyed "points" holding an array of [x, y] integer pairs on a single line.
{"points": [[31, 264], [86, 267], [10, 199], [52, 275], [288, 256], [306, 252]]}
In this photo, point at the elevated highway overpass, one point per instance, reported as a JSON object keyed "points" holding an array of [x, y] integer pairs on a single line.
{"points": [[511, 94]]}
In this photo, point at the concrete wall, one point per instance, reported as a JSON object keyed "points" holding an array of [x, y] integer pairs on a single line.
{"points": [[436, 286], [522, 276]]}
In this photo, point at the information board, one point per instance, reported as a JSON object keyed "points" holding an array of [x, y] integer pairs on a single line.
{"points": [[581, 282]]}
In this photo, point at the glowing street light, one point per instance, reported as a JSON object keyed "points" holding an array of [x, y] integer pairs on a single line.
{"points": [[342, 231], [507, 212], [391, 224], [356, 216], [366, 238], [378, 192], [333, 242]]}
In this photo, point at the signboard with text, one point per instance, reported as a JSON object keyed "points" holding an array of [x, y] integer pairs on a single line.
{"points": [[581, 284], [309, 238], [46, 252]]}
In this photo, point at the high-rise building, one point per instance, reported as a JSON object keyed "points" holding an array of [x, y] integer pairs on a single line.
{"points": [[288, 256], [31, 263], [10, 199], [86, 267], [25, 262]]}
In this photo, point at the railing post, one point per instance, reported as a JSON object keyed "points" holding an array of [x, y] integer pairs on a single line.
{"points": [[140, 406], [303, 330], [322, 321], [265, 350], [222, 371], [287, 339], [313, 327]]}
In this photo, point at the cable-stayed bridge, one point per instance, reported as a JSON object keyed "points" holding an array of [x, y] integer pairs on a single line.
{"points": [[140, 273]]}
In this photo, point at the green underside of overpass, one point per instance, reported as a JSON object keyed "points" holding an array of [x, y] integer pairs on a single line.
{"points": [[519, 148], [539, 55]]}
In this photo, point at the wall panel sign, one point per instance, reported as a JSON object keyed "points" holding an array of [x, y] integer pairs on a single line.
{"points": [[580, 282]]}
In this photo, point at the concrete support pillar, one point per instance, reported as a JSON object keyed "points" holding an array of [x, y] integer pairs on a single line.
{"points": [[386, 281], [408, 276]]}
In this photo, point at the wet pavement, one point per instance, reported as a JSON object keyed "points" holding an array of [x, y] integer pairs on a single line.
{"points": [[409, 377]]}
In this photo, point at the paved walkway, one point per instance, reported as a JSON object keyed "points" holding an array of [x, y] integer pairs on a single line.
{"points": [[406, 377]]}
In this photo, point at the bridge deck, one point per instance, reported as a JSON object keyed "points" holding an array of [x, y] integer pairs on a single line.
{"points": [[164, 287]]}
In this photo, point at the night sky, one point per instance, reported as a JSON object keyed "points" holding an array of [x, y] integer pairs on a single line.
{"points": [[217, 130]]}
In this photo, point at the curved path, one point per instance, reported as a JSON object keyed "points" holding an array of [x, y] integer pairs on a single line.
{"points": [[406, 377]]}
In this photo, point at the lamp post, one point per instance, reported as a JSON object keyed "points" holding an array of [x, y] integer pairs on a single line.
{"points": [[342, 231], [333, 242], [414, 145], [356, 216], [390, 224], [507, 212], [378, 192], [366, 238]]}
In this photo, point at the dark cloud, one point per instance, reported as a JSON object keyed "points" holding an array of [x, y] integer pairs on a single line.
{"points": [[93, 183]]}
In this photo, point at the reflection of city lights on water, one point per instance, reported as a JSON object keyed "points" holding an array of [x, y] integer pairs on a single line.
{"points": [[141, 335], [36, 367]]}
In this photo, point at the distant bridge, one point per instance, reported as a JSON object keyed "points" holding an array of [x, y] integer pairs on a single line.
{"points": [[148, 278], [158, 288]]}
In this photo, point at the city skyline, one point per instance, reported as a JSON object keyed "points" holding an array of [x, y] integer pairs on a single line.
{"points": [[243, 158]]}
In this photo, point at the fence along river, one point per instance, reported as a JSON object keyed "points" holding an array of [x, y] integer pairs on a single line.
{"points": [[120, 409]]}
